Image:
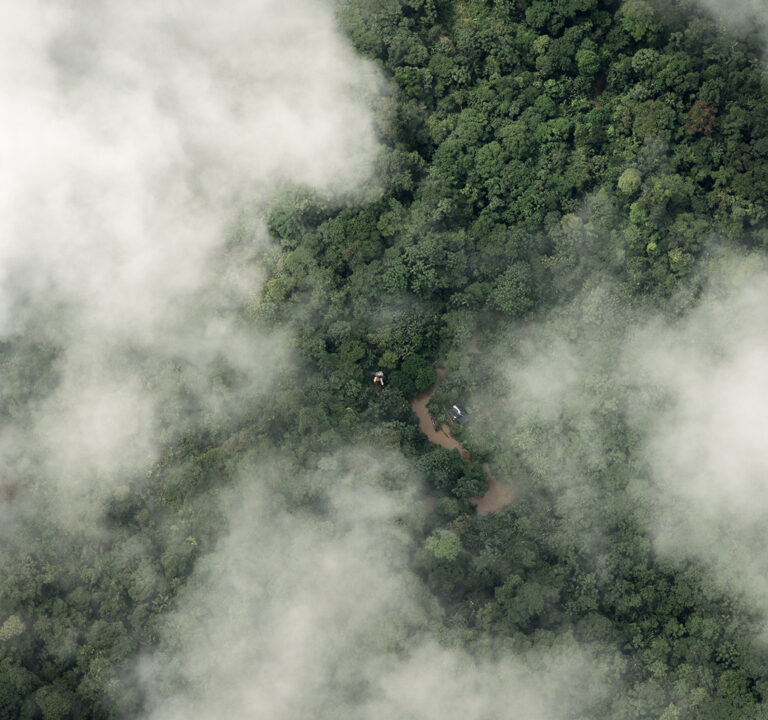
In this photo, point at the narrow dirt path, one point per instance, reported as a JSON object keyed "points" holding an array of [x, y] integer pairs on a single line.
{"points": [[442, 436], [499, 495]]}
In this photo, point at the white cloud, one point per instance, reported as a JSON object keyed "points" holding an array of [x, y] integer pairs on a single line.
{"points": [[705, 419], [738, 14], [320, 616], [133, 136], [687, 393]]}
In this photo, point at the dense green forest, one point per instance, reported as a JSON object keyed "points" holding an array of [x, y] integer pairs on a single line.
{"points": [[548, 169]]}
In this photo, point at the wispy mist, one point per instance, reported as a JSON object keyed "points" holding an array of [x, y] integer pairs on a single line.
{"points": [[140, 144], [319, 616], [740, 15], [703, 409], [684, 395]]}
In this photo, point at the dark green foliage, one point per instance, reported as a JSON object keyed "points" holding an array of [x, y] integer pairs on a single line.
{"points": [[534, 147], [473, 483], [415, 374], [562, 141], [443, 468], [447, 471], [511, 295]]}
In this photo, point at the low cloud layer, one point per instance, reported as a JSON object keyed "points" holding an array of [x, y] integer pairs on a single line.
{"points": [[706, 426], [739, 15], [686, 393], [141, 141], [302, 616]]}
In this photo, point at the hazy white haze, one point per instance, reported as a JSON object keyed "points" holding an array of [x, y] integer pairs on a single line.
{"points": [[706, 377], [691, 394], [738, 14], [137, 138], [142, 143], [303, 616]]}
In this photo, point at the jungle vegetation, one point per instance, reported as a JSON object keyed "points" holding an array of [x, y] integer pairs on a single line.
{"points": [[528, 148]]}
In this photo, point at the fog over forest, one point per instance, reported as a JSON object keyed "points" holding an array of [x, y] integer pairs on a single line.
{"points": [[218, 224], [143, 146], [295, 617], [706, 445], [691, 390]]}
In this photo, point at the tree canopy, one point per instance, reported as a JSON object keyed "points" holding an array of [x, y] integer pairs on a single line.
{"points": [[529, 149]]}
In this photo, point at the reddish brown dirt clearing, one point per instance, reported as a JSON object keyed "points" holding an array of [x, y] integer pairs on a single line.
{"points": [[499, 495]]}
